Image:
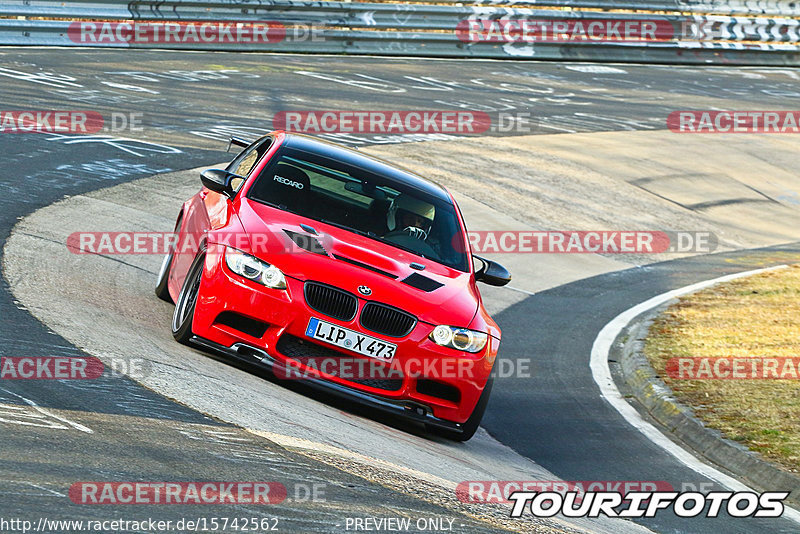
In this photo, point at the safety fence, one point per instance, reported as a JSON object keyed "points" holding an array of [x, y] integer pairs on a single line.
{"points": [[662, 31]]}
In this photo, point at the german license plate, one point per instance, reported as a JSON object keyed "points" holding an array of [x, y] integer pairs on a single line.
{"points": [[350, 340]]}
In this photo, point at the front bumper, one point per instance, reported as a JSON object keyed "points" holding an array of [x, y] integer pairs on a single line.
{"points": [[284, 316], [407, 409]]}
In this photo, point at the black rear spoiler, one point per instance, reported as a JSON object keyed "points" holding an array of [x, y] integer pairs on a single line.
{"points": [[238, 141]]}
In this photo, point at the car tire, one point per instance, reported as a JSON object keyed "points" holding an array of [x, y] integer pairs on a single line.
{"points": [[162, 286], [183, 316], [471, 425]]}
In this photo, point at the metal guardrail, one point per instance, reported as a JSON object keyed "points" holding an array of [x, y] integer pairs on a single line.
{"points": [[778, 8], [696, 31]]}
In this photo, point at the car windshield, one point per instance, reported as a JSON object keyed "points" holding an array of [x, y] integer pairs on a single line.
{"points": [[363, 202]]}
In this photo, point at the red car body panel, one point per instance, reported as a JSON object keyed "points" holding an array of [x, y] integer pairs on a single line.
{"points": [[214, 222], [453, 304]]}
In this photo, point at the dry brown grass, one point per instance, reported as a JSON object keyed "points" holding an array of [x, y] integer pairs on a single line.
{"points": [[754, 317]]}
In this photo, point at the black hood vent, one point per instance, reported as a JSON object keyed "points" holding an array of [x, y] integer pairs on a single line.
{"points": [[422, 282], [365, 266], [307, 242]]}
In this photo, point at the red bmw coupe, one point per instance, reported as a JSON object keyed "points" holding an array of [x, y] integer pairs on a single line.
{"points": [[338, 269]]}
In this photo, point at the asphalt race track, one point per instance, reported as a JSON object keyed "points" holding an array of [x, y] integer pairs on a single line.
{"points": [[587, 439], [55, 434]]}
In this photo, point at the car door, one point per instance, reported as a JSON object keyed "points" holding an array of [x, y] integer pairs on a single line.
{"points": [[208, 210]]}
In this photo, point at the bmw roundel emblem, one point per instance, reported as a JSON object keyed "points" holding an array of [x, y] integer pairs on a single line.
{"points": [[364, 290]]}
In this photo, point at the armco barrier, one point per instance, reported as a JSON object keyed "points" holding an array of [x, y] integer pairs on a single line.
{"points": [[690, 32], [780, 8]]}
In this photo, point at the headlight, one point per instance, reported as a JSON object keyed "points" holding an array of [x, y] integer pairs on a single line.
{"points": [[254, 269], [459, 338]]}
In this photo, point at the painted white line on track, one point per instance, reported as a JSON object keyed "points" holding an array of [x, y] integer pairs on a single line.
{"points": [[291, 442], [48, 490], [602, 376], [73, 424], [301, 443], [519, 290]]}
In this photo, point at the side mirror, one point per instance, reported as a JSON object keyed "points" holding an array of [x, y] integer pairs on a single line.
{"points": [[492, 273], [238, 141], [219, 181]]}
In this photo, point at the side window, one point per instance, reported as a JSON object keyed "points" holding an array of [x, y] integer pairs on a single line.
{"points": [[244, 163]]}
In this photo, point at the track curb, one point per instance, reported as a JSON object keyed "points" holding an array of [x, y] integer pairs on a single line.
{"points": [[679, 421]]}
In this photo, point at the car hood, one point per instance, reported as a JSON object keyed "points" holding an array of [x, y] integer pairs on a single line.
{"points": [[436, 295]]}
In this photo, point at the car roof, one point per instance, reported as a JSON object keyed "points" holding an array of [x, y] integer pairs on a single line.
{"points": [[368, 163]]}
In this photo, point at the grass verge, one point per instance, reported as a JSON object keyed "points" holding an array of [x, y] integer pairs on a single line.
{"points": [[754, 317]]}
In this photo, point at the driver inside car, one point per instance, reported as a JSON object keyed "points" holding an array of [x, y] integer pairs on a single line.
{"points": [[410, 221]]}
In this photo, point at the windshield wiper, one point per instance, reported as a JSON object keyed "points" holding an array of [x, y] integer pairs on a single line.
{"points": [[281, 207], [374, 236], [392, 243], [345, 227], [370, 235]]}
